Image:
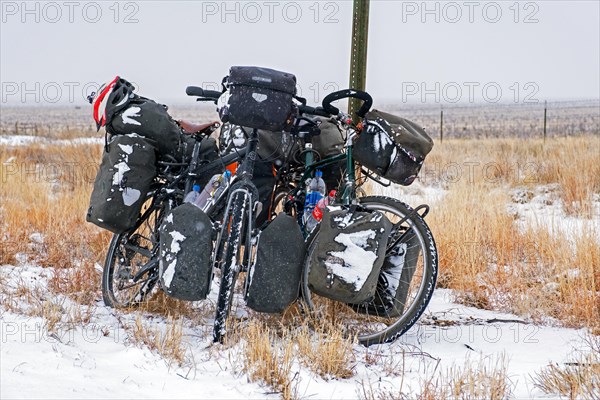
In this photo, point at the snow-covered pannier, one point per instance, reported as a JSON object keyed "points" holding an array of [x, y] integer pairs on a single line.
{"points": [[348, 254], [393, 147], [274, 280], [259, 98], [146, 118], [122, 183], [185, 253]]}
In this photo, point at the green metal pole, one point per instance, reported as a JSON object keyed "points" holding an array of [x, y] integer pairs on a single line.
{"points": [[358, 55]]}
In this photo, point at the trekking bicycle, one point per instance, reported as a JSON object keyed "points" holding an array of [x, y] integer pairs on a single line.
{"points": [[405, 284], [407, 279]]}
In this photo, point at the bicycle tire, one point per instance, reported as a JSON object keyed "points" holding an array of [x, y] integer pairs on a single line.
{"points": [[229, 257], [385, 313], [128, 254]]}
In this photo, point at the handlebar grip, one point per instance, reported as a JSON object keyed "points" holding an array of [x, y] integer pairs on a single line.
{"points": [[342, 94], [198, 91], [314, 111]]}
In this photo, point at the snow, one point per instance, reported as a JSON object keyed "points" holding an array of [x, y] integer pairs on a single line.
{"points": [[127, 148], [127, 115], [177, 239], [22, 140], [100, 360], [354, 264], [542, 208], [120, 169], [130, 196]]}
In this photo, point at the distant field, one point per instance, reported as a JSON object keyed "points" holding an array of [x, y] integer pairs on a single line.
{"points": [[564, 118]]}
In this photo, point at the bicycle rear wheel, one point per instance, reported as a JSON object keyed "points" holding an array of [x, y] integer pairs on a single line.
{"points": [[405, 284], [130, 272]]}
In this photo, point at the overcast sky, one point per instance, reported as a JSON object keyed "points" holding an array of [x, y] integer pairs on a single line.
{"points": [[418, 52]]}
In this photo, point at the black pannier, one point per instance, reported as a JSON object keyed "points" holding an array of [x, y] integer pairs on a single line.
{"points": [[122, 183], [185, 253], [393, 147], [151, 120], [348, 255], [274, 280], [259, 98]]}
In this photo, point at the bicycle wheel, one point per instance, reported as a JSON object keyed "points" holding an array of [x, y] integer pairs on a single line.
{"points": [[229, 258], [405, 284], [131, 268]]}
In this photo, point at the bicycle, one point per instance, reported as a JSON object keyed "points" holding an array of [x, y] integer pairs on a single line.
{"points": [[408, 278], [131, 267]]}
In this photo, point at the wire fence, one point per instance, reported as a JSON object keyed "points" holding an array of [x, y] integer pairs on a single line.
{"points": [[562, 118]]}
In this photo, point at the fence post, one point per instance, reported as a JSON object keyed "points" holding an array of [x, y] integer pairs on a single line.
{"points": [[545, 115], [441, 125], [358, 51]]}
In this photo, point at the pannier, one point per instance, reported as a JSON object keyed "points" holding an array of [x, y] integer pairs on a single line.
{"points": [[185, 253], [397, 270], [274, 280], [259, 98], [122, 183], [393, 147], [151, 120], [348, 254]]}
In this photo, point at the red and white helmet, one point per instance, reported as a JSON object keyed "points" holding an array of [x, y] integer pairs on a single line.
{"points": [[110, 98]]}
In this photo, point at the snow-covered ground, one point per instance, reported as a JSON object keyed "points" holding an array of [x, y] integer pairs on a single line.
{"points": [[23, 140], [100, 360]]}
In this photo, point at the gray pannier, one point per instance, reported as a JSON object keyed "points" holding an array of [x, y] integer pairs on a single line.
{"points": [[185, 253], [274, 280], [122, 183], [145, 117], [391, 146], [348, 255]]}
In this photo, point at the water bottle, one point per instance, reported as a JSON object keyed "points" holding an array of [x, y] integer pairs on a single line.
{"points": [[213, 189], [315, 191], [317, 213], [193, 196]]}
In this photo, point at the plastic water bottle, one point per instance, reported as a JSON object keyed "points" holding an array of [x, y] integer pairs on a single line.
{"points": [[317, 213], [193, 196], [315, 191], [213, 189]]}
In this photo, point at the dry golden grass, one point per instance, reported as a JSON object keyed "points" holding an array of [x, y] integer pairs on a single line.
{"points": [[579, 378], [269, 357], [484, 255], [167, 343]]}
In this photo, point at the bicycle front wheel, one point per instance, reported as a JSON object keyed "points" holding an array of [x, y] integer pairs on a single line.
{"points": [[229, 257], [405, 285]]}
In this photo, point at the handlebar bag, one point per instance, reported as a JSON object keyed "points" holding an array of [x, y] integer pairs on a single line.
{"points": [[348, 254], [185, 253], [259, 98], [122, 183], [274, 280], [391, 146]]}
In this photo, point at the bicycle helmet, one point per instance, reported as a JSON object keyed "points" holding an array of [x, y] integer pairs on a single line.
{"points": [[109, 99]]}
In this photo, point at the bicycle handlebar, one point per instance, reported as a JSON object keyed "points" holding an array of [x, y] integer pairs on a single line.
{"points": [[342, 94], [199, 92]]}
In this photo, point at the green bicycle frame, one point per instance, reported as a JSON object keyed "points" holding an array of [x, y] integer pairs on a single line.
{"points": [[348, 193]]}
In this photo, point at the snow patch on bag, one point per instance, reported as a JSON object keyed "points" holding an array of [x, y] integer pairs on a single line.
{"points": [[128, 115], [354, 264]]}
